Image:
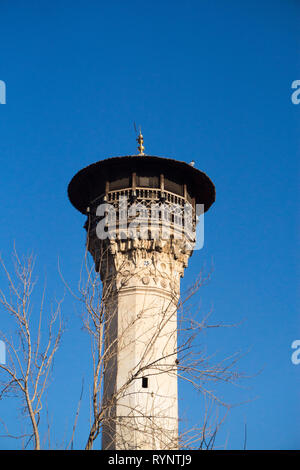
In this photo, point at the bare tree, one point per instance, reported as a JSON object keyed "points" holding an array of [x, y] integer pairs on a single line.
{"points": [[169, 347], [30, 351]]}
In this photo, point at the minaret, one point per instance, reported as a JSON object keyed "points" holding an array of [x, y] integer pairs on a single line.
{"points": [[148, 205]]}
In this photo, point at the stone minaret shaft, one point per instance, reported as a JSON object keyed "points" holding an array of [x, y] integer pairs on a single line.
{"points": [[140, 267], [141, 287]]}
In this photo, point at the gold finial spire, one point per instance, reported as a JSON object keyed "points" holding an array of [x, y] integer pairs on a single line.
{"points": [[140, 141]]}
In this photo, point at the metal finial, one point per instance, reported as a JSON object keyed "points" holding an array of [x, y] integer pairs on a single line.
{"points": [[140, 141]]}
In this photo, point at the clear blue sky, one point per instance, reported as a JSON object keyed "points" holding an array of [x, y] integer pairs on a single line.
{"points": [[208, 80]]}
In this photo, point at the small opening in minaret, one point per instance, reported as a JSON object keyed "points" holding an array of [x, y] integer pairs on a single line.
{"points": [[145, 382]]}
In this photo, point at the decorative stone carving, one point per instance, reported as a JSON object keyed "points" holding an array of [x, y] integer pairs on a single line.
{"points": [[141, 263]]}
